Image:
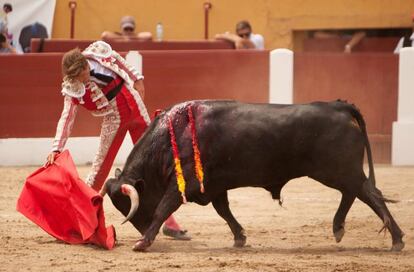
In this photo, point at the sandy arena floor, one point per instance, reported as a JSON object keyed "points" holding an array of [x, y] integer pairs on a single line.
{"points": [[295, 237]]}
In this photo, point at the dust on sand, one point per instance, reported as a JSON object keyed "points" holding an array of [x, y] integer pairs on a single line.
{"points": [[295, 237]]}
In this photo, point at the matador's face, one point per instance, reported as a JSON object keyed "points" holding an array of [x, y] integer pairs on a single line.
{"points": [[84, 76]]}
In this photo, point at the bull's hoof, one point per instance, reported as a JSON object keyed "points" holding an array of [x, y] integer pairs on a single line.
{"points": [[239, 242], [397, 247], [339, 235], [141, 245]]}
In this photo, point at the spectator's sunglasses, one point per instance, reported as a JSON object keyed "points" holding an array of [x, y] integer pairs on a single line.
{"points": [[244, 35], [128, 29]]}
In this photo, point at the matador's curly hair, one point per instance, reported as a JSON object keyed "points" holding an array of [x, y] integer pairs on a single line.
{"points": [[73, 63]]}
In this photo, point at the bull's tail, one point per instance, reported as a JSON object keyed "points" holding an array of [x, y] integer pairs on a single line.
{"points": [[374, 192], [356, 114]]}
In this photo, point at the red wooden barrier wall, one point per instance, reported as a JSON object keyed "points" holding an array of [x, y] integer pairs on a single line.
{"points": [[30, 86], [63, 45], [369, 80], [31, 102]]}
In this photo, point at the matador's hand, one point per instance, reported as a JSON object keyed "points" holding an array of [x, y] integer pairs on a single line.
{"points": [[51, 158]]}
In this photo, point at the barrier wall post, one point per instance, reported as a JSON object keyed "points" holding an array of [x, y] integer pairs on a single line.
{"points": [[403, 128], [281, 76], [134, 58]]}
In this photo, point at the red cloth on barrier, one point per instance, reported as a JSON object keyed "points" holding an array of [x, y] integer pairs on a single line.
{"points": [[59, 202]]}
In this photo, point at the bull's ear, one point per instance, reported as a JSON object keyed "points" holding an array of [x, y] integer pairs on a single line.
{"points": [[136, 183], [117, 173], [139, 184]]}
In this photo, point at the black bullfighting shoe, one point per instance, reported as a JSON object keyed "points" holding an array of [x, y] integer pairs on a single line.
{"points": [[176, 234]]}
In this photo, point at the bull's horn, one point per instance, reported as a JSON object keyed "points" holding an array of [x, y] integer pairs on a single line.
{"points": [[130, 191]]}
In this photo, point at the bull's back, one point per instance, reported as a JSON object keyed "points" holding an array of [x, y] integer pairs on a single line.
{"points": [[263, 142]]}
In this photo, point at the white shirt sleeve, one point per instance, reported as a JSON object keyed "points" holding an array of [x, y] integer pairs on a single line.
{"points": [[99, 69], [258, 40]]}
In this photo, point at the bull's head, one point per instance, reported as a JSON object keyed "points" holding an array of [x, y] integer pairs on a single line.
{"points": [[123, 192]]}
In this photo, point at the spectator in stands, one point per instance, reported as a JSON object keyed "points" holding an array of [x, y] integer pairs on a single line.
{"points": [[4, 22], [127, 31], [5, 47], [7, 8], [244, 37], [407, 40], [113, 90], [355, 37]]}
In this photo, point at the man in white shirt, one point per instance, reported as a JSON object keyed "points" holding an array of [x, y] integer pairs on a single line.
{"points": [[245, 38]]}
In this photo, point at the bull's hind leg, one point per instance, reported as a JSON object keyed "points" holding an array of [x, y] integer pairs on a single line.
{"points": [[373, 197], [339, 219], [221, 204]]}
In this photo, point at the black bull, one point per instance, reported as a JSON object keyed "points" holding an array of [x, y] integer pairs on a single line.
{"points": [[258, 145]]}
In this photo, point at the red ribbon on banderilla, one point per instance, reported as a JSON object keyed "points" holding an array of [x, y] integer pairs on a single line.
{"points": [[176, 155]]}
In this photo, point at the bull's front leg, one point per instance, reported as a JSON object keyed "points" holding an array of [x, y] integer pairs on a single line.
{"points": [[221, 204], [170, 202]]}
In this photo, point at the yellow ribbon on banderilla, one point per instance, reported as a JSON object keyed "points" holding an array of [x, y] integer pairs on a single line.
{"points": [[176, 155]]}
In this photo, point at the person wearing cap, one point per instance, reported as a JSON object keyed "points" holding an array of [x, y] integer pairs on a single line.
{"points": [[244, 37], [127, 31], [102, 82]]}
